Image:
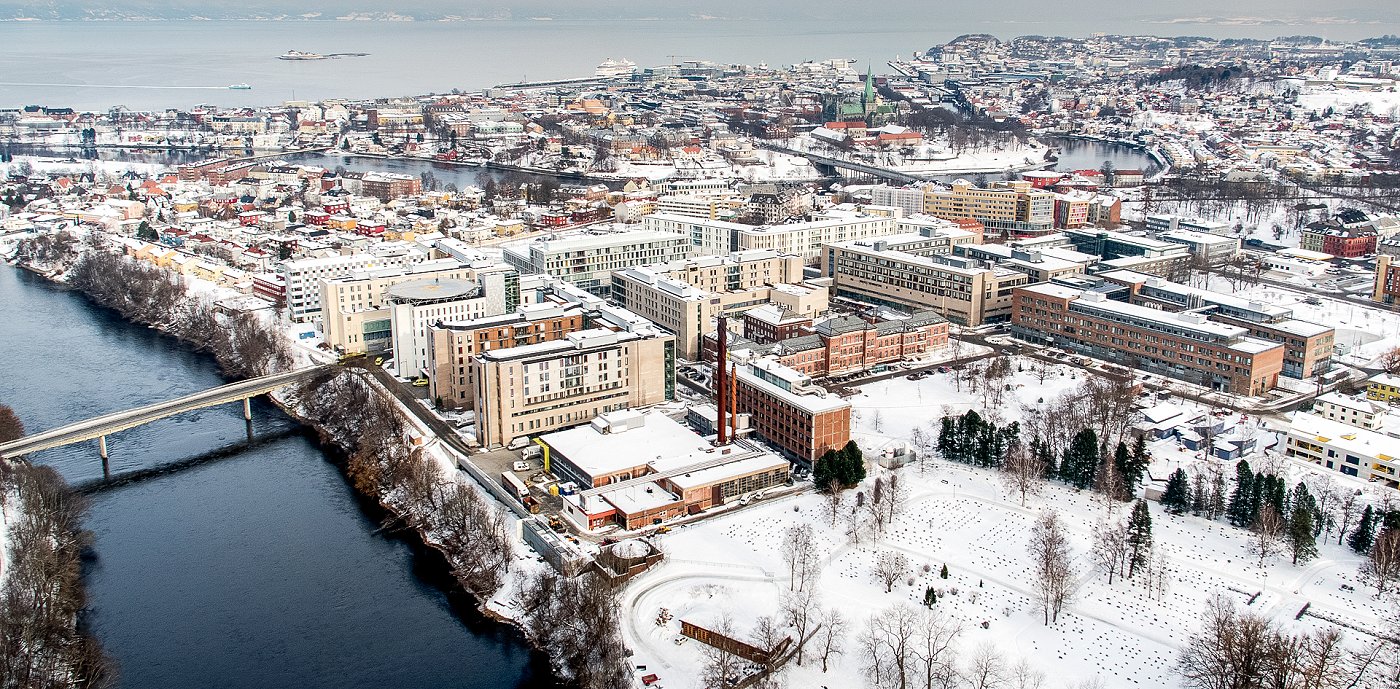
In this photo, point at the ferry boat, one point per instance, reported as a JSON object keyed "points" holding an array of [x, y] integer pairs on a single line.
{"points": [[298, 55], [611, 68], [239, 87]]}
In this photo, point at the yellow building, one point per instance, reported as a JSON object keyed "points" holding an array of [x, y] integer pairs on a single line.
{"points": [[1384, 387]]}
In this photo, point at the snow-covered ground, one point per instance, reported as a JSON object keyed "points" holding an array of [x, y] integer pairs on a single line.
{"points": [[967, 519], [938, 158], [1384, 102]]}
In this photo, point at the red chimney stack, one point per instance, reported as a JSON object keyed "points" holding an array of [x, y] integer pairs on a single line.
{"points": [[721, 374]]}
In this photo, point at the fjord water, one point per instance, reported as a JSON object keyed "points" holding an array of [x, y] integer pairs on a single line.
{"points": [[246, 564], [148, 65]]}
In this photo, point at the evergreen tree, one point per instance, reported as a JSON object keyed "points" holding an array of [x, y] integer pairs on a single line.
{"points": [[1133, 464], [1390, 519], [146, 233], [1215, 505], [1139, 536], [1081, 460], [1258, 490], [1302, 497], [850, 464], [825, 469], [1300, 534], [1121, 461], [1177, 496], [947, 434], [1361, 539], [1200, 494], [943, 573], [1047, 455], [1239, 508]]}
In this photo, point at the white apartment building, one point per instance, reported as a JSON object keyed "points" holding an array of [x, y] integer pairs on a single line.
{"points": [[805, 239], [908, 199], [417, 305], [588, 260], [1339, 446], [303, 276], [355, 309]]}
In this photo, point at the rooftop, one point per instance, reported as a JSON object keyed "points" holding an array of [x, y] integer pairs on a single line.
{"points": [[435, 289], [621, 440]]}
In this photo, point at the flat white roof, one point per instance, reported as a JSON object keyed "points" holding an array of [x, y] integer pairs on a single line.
{"points": [[740, 467], [640, 497], [597, 453], [1349, 438]]}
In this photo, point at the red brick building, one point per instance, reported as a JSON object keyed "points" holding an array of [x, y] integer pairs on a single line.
{"points": [[789, 412], [1183, 345]]}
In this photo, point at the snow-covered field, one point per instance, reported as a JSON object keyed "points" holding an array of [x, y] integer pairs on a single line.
{"points": [[967, 519]]}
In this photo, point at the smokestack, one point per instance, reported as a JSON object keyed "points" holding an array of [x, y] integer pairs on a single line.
{"points": [[721, 364], [733, 404]]}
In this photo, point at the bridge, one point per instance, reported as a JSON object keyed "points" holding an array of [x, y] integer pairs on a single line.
{"points": [[103, 426], [871, 170]]}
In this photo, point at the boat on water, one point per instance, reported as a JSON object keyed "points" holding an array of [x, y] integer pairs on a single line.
{"points": [[239, 87], [298, 55], [611, 69]]}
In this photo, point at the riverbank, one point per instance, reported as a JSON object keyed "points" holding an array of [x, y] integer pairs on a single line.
{"points": [[42, 597], [371, 442]]}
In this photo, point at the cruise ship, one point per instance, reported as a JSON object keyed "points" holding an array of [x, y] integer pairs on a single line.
{"points": [[611, 68], [298, 55]]}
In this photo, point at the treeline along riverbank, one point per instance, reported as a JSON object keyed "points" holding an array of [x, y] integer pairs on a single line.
{"points": [[365, 432]]}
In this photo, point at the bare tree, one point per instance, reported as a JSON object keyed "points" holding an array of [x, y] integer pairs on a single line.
{"points": [[799, 552], [1348, 506], [986, 669], [1382, 565], [831, 638], [933, 652], [1108, 485], [1228, 652], [1325, 492], [1023, 675], [1268, 534], [889, 645], [11, 427], [890, 567], [721, 667], [767, 634], [896, 495], [1245, 651], [1111, 547], [800, 611], [833, 498], [1049, 550], [1023, 472]]}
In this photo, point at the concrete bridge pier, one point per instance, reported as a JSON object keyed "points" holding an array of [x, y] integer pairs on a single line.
{"points": [[102, 450], [248, 418]]}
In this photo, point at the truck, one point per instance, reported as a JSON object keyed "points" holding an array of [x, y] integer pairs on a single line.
{"points": [[512, 483]]}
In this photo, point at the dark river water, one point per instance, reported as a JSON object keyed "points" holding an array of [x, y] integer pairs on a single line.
{"points": [[247, 564]]}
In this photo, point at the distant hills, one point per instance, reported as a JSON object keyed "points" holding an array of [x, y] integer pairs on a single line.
{"points": [[934, 14]]}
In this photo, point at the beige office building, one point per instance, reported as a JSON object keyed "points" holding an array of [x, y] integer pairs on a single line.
{"points": [[957, 289], [356, 313], [686, 297], [533, 389]]}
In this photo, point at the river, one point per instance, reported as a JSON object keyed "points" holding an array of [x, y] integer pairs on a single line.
{"points": [[247, 564]]}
